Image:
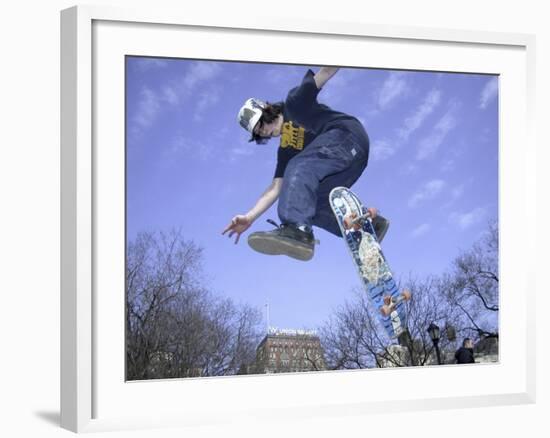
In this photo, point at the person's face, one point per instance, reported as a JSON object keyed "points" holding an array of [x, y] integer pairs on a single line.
{"points": [[267, 130], [469, 344]]}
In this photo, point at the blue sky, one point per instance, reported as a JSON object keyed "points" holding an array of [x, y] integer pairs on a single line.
{"points": [[433, 171]]}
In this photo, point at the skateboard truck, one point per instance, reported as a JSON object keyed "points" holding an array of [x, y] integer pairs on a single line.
{"points": [[390, 304], [355, 222], [379, 223]]}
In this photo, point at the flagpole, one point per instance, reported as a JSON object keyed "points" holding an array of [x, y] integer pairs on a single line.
{"points": [[267, 316]]}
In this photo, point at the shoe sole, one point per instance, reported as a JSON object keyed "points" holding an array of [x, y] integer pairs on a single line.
{"points": [[279, 246]]}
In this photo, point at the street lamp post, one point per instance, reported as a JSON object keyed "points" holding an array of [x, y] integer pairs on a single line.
{"points": [[434, 332]]}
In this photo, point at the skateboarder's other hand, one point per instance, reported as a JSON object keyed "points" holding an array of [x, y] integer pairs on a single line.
{"points": [[238, 225]]}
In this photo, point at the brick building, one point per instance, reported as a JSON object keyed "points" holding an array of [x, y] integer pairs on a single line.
{"points": [[284, 351]]}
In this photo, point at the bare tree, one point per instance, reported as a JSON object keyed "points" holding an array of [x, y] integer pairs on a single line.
{"points": [[350, 337], [175, 326], [428, 306], [471, 287], [354, 338], [463, 301]]}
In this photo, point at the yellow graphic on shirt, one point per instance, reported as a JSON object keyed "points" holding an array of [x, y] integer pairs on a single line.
{"points": [[292, 136]]}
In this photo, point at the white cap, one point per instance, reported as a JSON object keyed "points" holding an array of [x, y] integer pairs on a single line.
{"points": [[250, 113]]}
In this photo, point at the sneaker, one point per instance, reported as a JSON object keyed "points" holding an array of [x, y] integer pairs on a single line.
{"points": [[286, 239]]}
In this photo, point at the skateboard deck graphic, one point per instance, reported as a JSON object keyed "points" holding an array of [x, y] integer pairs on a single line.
{"points": [[358, 232]]}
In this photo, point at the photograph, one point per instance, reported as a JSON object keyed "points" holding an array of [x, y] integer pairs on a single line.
{"points": [[285, 218]]}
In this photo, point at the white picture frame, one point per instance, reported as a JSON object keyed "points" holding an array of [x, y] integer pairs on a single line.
{"points": [[93, 395]]}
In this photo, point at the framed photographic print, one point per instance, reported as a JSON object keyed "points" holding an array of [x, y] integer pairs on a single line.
{"points": [[182, 134]]}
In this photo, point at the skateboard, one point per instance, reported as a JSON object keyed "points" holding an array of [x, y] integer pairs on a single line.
{"points": [[355, 223]]}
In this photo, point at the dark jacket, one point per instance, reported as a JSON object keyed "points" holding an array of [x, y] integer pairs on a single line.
{"points": [[464, 355]]}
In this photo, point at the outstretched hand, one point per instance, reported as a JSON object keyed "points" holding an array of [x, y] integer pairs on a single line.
{"points": [[238, 225]]}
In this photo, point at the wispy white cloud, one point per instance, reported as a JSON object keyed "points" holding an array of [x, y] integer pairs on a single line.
{"points": [[339, 87], [426, 192], [409, 169], [227, 191], [447, 165], [489, 92], [454, 194], [421, 230], [430, 144], [206, 100], [394, 87], [182, 146], [152, 101], [205, 151], [147, 108], [415, 120], [241, 151], [451, 159], [466, 220], [285, 77], [243, 148], [382, 149], [169, 95], [457, 191], [199, 72], [333, 93], [486, 135], [146, 64]]}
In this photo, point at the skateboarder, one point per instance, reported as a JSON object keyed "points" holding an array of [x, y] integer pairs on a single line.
{"points": [[319, 149]]}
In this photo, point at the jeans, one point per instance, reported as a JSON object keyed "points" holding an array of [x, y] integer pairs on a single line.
{"points": [[334, 158]]}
